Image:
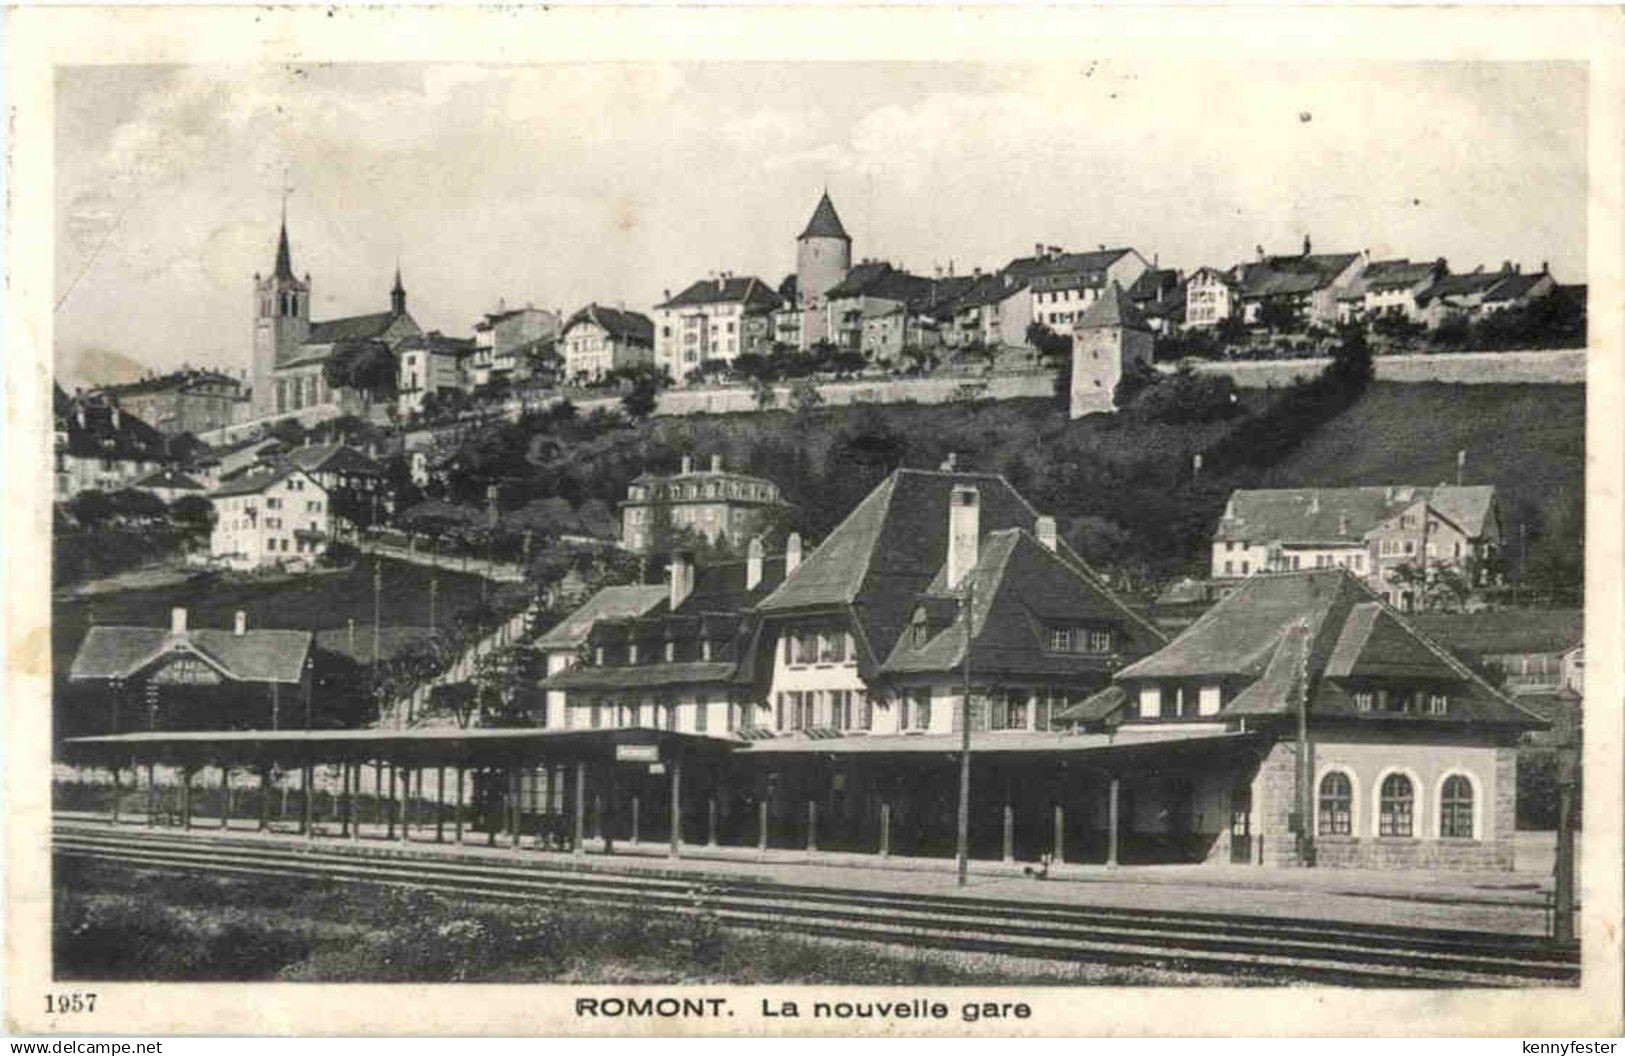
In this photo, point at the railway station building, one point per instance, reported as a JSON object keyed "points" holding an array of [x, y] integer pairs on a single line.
{"points": [[819, 704]]}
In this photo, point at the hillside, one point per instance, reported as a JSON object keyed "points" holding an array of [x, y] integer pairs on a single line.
{"points": [[1527, 440]]}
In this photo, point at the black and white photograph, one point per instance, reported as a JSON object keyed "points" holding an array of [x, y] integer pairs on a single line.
{"points": [[654, 527]]}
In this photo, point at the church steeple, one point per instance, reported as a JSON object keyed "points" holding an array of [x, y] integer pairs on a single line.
{"points": [[397, 294], [284, 264]]}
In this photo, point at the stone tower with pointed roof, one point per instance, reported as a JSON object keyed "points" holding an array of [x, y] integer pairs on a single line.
{"points": [[1107, 340], [823, 257], [281, 322]]}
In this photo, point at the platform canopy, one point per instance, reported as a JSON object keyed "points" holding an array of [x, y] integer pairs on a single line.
{"points": [[430, 746], [1162, 746]]}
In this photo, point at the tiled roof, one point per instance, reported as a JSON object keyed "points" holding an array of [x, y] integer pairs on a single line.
{"points": [[1278, 276], [439, 343], [255, 656], [1066, 270], [1112, 308], [1020, 589], [733, 289], [891, 548], [989, 289], [350, 328], [1276, 627], [130, 440], [1397, 274], [1346, 514], [825, 223], [720, 587], [1505, 631], [334, 458], [179, 380], [608, 603], [622, 325], [256, 481], [168, 478], [642, 676], [1467, 285], [1513, 287]]}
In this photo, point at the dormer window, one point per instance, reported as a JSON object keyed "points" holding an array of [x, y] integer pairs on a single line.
{"points": [[1438, 703], [1081, 639], [1364, 700]]}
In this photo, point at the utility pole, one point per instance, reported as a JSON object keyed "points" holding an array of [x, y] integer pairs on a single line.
{"points": [[377, 611], [1306, 771], [1563, 871], [434, 590], [962, 852]]}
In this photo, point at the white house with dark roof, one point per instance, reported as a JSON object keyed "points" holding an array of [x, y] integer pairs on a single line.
{"points": [[271, 515], [597, 340], [1370, 531], [1063, 285], [98, 447], [715, 318], [1412, 756]]}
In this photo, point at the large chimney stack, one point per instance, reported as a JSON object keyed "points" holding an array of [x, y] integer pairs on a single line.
{"points": [[964, 531], [792, 553], [716, 463], [177, 621], [688, 465], [239, 625], [753, 563], [680, 576], [1045, 530]]}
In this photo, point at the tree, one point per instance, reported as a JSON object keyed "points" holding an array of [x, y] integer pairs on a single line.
{"points": [[456, 699], [507, 679], [193, 515], [1278, 315], [1138, 377], [365, 366], [767, 397], [805, 397], [91, 508], [1053, 348], [137, 504]]}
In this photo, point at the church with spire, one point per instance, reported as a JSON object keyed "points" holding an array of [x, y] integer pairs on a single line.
{"points": [[291, 351]]}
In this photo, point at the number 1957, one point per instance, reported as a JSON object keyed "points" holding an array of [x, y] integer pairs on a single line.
{"points": [[58, 1004]]}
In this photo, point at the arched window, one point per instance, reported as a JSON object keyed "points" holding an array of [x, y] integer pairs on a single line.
{"points": [[1336, 805], [1395, 806], [1456, 808]]}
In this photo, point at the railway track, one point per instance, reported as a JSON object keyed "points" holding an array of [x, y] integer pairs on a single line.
{"points": [[1229, 944]]}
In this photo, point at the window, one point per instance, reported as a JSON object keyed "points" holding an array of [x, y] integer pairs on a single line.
{"points": [[1364, 700], [1150, 702], [1336, 805], [1209, 700], [1395, 806], [806, 648], [597, 715], [1100, 640], [919, 705], [832, 647], [1438, 702], [1456, 808], [1060, 639]]}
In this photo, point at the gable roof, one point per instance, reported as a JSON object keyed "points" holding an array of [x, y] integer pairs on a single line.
{"points": [[608, 603], [989, 289], [255, 656], [1275, 627], [334, 458], [1019, 590], [1398, 274], [1066, 270], [1346, 514], [350, 328], [1278, 276], [258, 479], [176, 381], [825, 222], [892, 546], [1464, 285], [108, 430], [626, 326], [730, 289], [1505, 631], [439, 344], [1514, 286], [169, 478], [1112, 308]]}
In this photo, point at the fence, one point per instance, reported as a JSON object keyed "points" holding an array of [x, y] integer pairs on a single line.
{"points": [[1560, 367]]}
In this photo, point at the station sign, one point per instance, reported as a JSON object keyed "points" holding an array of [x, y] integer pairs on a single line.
{"points": [[637, 753]]}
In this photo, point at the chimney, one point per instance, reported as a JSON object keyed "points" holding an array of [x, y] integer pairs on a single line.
{"points": [[1260, 251], [949, 463], [964, 531], [1306, 245], [1045, 530], [792, 553], [688, 464], [1342, 526], [665, 295], [753, 563], [716, 463], [1038, 250], [177, 621], [239, 625], [680, 578]]}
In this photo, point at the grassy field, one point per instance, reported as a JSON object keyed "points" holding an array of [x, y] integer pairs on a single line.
{"points": [[317, 602], [1527, 440], [116, 923]]}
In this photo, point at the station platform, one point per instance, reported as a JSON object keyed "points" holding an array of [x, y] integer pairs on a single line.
{"points": [[1511, 902]]}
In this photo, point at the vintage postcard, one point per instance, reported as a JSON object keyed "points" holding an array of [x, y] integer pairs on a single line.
{"points": [[983, 521]]}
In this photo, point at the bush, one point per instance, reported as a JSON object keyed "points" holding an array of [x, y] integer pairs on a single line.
{"points": [[1187, 397], [339, 554], [91, 508]]}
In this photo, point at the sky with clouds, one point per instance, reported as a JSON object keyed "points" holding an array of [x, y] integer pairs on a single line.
{"points": [[558, 185]]}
